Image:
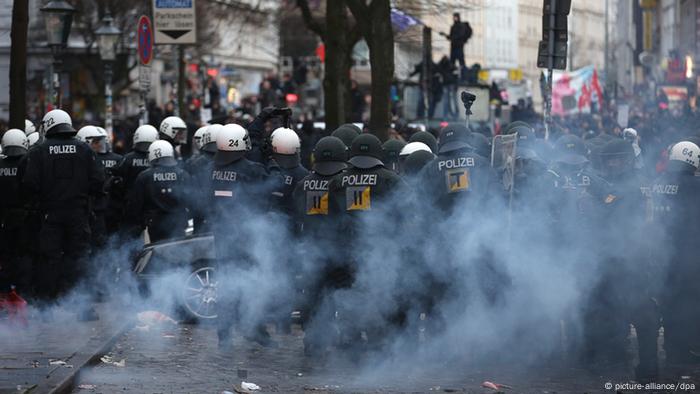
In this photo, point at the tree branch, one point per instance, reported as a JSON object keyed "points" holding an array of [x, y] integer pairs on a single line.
{"points": [[360, 11], [309, 20], [354, 35]]}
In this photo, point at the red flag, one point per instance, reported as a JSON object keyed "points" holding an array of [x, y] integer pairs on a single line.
{"points": [[585, 98], [595, 85]]}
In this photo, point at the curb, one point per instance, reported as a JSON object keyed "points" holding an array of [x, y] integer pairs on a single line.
{"points": [[88, 355]]}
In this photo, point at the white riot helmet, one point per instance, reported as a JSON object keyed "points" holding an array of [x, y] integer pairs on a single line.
{"points": [[285, 147], [33, 139], [209, 138], [685, 152], [29, 127], [173, 130], [413, 147], [161, 153], [232, 143], [143, 137], [87, 133], [57, 122], [14, 143], [629, 134], [197, 137], [107, 142]]}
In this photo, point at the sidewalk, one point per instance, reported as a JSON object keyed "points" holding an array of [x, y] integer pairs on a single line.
{"points": [[47, 355]]}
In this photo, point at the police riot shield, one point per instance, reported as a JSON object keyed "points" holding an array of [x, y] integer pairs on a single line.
{"points": [[503, 158], [503, 152]]}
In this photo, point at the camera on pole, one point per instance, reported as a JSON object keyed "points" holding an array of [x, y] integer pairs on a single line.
{"points": [[554, 44]]}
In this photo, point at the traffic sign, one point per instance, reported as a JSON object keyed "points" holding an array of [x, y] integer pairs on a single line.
{"points": [[144, 78], [145, 37], [174, 21]]}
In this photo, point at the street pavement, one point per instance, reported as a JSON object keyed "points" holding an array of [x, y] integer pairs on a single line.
{"points": [[47, 353], [150, 354], [185, 359]]}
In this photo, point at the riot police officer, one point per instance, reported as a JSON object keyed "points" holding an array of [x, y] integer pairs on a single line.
{"points": [[197, 140], [160, 198], [347, 133], [461, 185], [33, 136], [311, 201], [240, 190], [358, 196], [426, 138], [286, 161], [109, 160], [674, 196], [15, 269], [92, 136], [458, 177], [414, 163], [624, 291], [133, 162], [199, 168], [62, 174], [392, 148], [174, 130]]}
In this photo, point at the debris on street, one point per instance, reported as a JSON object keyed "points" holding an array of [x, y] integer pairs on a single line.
{"points": [[249, 386], [495, 386], [148, 319], [87, 386], [110, 360], [246, 387]]}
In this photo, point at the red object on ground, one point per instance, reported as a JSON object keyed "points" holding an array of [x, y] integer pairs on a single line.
{"points": [[495, 386], [15, 306]]}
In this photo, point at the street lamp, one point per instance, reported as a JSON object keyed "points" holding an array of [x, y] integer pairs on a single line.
{"points": [[107, 37], [58, 16]]}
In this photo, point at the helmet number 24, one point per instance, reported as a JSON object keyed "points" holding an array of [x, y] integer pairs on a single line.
{"points": [[233, 143]]}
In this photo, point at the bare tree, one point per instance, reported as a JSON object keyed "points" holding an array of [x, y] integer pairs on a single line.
{"points": [[18, 64], [374, 20], [339, 36]]}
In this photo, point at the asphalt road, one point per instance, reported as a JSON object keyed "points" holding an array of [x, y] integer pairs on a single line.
{"points": [[185, 359]]}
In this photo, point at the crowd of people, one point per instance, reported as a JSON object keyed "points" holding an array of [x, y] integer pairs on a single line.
{"points": [[614, 206]]}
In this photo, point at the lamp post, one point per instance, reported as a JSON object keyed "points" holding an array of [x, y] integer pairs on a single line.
{"points": [[58, 16], [107, 37]]}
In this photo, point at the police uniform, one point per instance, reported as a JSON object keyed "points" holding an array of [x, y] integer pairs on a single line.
{"points": [[14, 235], [625, 290], [289, 175], [106, 209], [63, 174], [311, 198], [459, 178], [240, 190], [199, 167], [160, 201], [674, 195], [363, 192], [128, 169]]}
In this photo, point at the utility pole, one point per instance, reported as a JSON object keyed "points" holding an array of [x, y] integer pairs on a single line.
{"points": [[18, 64], [427, 69], [607, 47], [552, 49], [182, 110]]}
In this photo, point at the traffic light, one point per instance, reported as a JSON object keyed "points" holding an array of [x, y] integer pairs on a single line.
{"points": [[553, 47]]}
